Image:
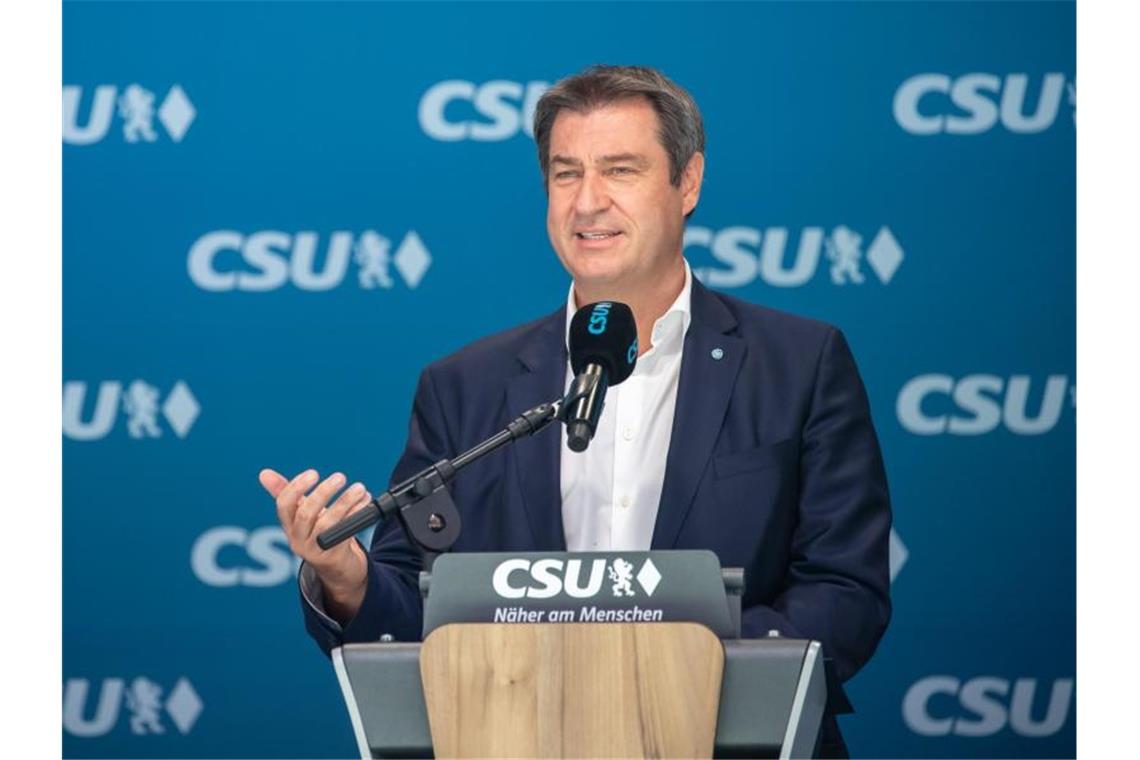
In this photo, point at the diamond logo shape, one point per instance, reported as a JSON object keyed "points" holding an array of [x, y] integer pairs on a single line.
{"points": [[412, 259], [181, 409], [897, 554], [885, 254], [183, 705], [176, 113], [649, 576]]}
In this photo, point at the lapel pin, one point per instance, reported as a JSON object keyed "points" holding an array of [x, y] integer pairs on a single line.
{"points": [[718, 353]]}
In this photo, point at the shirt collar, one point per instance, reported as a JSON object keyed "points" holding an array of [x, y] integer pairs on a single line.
{"points": [[682, 308]]}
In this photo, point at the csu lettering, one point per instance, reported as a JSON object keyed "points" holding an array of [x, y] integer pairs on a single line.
{"points": [[227, 260], [930, 104], [543, 579], [789, 259], [139, 108], [984, 706], [149, 704], [979, 404], [503, 109], [598, 318], [260, 557]]}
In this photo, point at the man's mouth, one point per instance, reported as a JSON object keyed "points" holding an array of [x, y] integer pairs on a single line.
{"points": [[595, 235]]}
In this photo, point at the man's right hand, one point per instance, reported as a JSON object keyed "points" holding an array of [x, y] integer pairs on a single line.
{"points": [[301, 508]]}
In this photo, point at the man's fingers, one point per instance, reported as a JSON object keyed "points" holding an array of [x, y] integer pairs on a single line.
{"points": [[349, 502], [349, 499], [289, 497], [313, 504], [359, 505], [300, 484], [272, 481]]}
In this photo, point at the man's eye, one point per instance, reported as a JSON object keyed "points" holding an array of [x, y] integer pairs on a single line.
{"points": [[622, 170], [568, 174]]}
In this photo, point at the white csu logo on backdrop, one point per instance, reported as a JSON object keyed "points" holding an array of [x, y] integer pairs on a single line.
{"points": [[137, 108], [930, 104], [149, 706], [271, 259], [748, 253], [546, 578], [140, 402], [985, 705], [976, 404], [457, 110], [259, 557]]}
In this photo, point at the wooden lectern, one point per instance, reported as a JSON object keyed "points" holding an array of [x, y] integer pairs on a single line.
{"points": [[572, 690], [633, 654]]}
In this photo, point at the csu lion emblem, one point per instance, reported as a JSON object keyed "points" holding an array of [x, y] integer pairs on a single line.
{"points": [[621, 573]]}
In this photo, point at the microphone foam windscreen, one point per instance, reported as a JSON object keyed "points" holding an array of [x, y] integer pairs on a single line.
{"points": [[604, 333]]}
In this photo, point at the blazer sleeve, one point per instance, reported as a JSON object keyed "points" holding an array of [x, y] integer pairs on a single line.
{"points": [[837, 588], [392, 603]]}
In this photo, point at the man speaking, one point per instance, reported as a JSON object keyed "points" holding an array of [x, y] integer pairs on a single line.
{"points": [[742, 430]]}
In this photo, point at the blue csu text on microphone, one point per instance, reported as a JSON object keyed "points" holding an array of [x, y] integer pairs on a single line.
{"points": [[598, 318]]}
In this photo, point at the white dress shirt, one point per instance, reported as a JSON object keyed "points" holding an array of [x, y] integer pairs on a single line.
{"points": [[610, 492]]}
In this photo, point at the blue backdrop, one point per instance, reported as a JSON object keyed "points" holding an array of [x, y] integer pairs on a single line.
{"points": [[275, 213]]}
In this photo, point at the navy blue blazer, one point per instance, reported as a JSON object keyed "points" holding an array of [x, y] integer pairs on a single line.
{"points": [[773, 464]]}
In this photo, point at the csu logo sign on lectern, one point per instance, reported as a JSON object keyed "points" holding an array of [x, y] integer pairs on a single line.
{"points": [[548, 578]]}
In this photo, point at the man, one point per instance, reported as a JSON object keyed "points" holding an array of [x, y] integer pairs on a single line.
{"points": [[742, 430]]}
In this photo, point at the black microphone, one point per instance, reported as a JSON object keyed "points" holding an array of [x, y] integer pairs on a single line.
{"points": [[603, 352]]}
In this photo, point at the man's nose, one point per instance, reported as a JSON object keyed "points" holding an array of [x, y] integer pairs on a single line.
{"points": [[592, 196]]}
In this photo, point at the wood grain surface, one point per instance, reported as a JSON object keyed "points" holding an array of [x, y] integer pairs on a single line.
{"points": [[572, 690]]}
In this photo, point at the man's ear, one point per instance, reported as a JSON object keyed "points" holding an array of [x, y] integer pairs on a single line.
{"points": [[691, 179]]}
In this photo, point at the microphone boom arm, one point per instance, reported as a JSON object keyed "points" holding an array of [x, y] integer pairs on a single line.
{"points": [[422, 503]]}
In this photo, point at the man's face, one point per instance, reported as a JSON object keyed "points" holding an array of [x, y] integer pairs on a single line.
{"points": [[613, 216]]}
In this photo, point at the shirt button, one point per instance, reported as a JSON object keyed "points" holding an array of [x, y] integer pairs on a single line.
{"points": [[627, 434], [625, 502]]}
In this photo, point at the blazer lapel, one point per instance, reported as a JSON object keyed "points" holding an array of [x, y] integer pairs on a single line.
{"points": [[710, 364], [538, 476]]}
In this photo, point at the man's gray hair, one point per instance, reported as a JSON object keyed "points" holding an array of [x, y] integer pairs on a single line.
{"points": [[681, 131]]}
